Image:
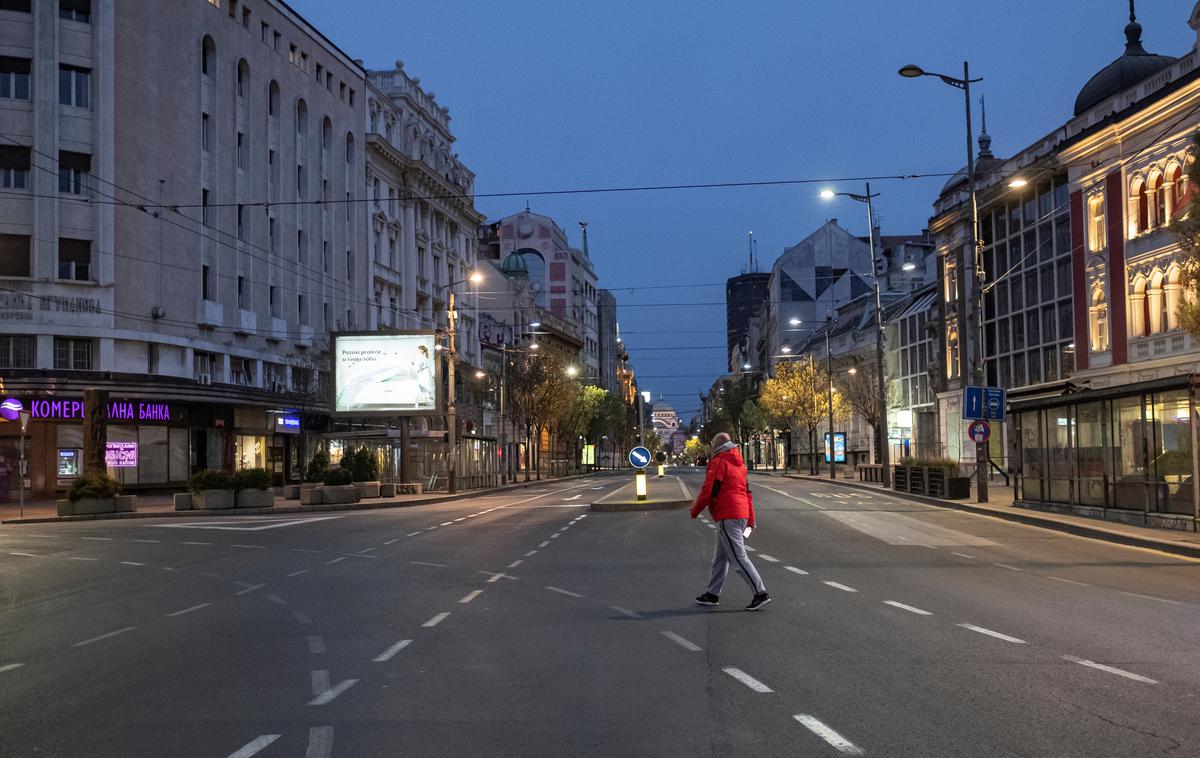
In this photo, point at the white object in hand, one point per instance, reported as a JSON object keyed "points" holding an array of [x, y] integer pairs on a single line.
{"points": [[746, 532]]}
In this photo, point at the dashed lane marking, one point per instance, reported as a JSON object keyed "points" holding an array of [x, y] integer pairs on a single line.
{"points": [[795, 570], [798, 499], [316, 644], [446, 523], [276, 599], [131, 563], [412, 534], [195, 543], [683, 643], [320, 742], [98, 539], [626, 612], [366, 550], [547, 542], [188, 610], [297, 573], [394, 539], [436, 620], [992, 633], [531, 552], [305, 550], [250, 588], [77, 558], [963, 555], [471, 596], [909, 608], [516, 563], [746, 679], [1151, 597], [328, 695], [1006, 566], [840, 586], [554, 536], [391, 651], [461, 518], [840, 743], [562, 591], [427, 563], [254, 746], [339, 559], [25, 555], [251, 547], [496, 577], [1110, 669], [10, 667], [104, 636], [1068, 581], [768, 558], [147, 540]]}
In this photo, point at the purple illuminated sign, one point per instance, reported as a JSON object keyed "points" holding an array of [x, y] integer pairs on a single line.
{"points": [[118, 410], [121, 454]]}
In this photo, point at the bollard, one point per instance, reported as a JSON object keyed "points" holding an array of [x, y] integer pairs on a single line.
{"points": [[640, 479], [661, 469]]}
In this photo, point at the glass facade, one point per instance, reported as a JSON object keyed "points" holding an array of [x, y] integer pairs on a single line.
{"points": [[1131, 453]]}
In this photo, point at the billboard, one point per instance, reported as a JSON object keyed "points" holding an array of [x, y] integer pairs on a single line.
{"points": [[392, 374]]}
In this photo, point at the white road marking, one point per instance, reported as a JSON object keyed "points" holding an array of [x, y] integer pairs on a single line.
{"points": [[77, 558], [251, 588], [471, 596], [1110, 669], [746, 679], [963, 555], [366, 550], [320, 742], [195, 543], [909, 608], [98, 539], [446, 523], [768, 558], [554, 536], [750, 549], [328, 695], [147, 540], [339, 559], [316, 644], [246, 524], [252, 547], [188, 610], [838, 586], [1151, 597], [1006, 566], [436, 619], [531, 552], [320, 682], [276, 599], [412, 534], [104, 636], [25, 555], [10, 667], [683, 643], [254, 745], [795, 570], [131, 563], [991, 633], [297, 573], [573, 497], [516, 563], [427, 563], [306, 550], [626, 612], [391, 651], [1068, 581], [562, 591], [547, 542], [598, 488], [496, 577], [301, 617], [389, 542], [461, 518], [840, 743], [430, 529]]}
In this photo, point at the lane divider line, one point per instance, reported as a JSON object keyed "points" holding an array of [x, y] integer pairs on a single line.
{"points": [[795, 570], [562, 591], [254, 746], [296, 573], [104, 636], [328, 695], [427, 563], [992, 633], [436, 620], [10, 667], [516, 563], [531, 552], [391, 651], [963, 555], [683, 643], [131, 563], [188, 610], [339, 559], [471, 596], [839, 586], [389, 542], [1068, 581], [746, 679], [1006, 566], [276, 599], [1110, 669], [1151, 597], [98, 539], [909, 608], [547, 542], [496, 577], [626, 612], [768, 558], [839, 743], [251, 588], [77, 558]]}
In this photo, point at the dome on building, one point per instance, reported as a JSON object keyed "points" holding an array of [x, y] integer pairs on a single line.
{"points": [[1132, 67], [515, 266]]}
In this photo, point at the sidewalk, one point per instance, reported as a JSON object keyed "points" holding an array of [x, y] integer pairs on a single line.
{"points": [[163, 506], [1000, 505]]}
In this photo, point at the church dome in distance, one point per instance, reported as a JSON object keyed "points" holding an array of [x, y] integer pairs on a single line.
{"points": [[515, 266]]}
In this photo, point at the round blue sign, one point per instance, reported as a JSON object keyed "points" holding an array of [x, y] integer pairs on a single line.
{"points": [[639, 457]]}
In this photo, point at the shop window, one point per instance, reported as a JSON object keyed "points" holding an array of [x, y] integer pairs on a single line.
{"points": [[18, 351], [14, 166], [1130, 490], [1171, 453], [1059, 454], [1032, 464], [14, 255], [1093, 459], [73, 354], [75, 260]]}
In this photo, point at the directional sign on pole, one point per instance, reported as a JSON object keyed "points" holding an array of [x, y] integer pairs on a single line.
{"points": [[979, 431], [639, 457], [984, 403]]}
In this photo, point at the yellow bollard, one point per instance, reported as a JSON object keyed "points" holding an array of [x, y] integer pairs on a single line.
{"points": [[661, 469], [640, 479]]}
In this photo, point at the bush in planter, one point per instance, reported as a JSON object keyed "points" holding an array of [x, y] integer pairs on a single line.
{"points": [[253, 479], [318, 466], [210, 480], [94, 487], [362, 464], [337, 477]]}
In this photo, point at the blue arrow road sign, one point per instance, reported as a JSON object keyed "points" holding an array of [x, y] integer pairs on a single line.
{"points": [[972, 402], [639, 457]]}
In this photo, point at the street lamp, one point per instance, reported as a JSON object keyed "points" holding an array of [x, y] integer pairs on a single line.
{"points": [[829, 369], [572, 371], [451, 401], [910, 71], [881, 424]]}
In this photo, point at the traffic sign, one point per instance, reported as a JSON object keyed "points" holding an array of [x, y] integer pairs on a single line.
{"points": [[639, 457], [984, 403], [979, 431], [660, 456]]}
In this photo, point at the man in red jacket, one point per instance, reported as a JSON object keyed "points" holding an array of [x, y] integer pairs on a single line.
{"points": [[726, 494]]}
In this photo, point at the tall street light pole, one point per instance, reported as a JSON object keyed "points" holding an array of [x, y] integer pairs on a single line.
{"points": [[881, 425], [829, 370], [981, 451], [451, 400]]}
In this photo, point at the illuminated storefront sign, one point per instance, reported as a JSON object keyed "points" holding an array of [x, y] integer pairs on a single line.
{"points": [[118, 410], [121, 454], [287, 424]]}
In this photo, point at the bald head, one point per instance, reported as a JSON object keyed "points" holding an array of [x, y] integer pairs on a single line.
{"points": [[720, 439]]}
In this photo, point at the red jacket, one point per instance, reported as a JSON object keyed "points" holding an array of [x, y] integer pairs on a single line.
{"points": [[726, 493]]}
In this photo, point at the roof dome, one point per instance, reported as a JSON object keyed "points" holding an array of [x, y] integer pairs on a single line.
{"points": [[1132, 67], [515, 266]]}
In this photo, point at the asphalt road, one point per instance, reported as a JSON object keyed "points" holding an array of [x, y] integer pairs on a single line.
{"points": [[524, 625]]}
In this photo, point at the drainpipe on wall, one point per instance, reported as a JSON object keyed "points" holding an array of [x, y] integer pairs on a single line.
{"points": [[1195, 454]]}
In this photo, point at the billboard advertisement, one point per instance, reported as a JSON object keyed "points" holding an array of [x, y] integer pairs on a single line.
{"points": [[385, 374]]}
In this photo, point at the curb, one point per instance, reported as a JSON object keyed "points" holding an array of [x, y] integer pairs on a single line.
{"points": [[1023, 516], [608, 504], [292, 509]]}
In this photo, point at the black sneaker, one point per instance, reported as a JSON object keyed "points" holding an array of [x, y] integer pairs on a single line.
{"points": [[759, 601], [708, 599]]}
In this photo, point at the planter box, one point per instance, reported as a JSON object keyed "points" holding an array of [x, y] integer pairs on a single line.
{"points": [[212, 500], [89, 505], [410, 488], [340, 493], [126, 503], [387, 490], [958, 487], [183, 501], [65, 508], [312, 495], [291, 491], [255, 498], [367, 489]]}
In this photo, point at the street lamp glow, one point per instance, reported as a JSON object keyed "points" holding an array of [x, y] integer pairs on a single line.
{"points": [[794, 322], [534, 346], [828, 194], [475, 277], [745, 366], [785, 349], [908, 266], [572, 371], [479, 374], [853, 370], [1017, 182], [912, 71], [535, 324]]}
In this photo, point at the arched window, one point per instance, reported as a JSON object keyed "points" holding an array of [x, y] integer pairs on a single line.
{"points": [[301, 117], [1139, 207], [243, 77], [1178, 189], [1158, 200], [1099, 319], [349, 151], [1139, 317], [208, 56], [1172, 295], [1155, 305], [273, 99], [326, 133], [952, 352], [1097, 239]]}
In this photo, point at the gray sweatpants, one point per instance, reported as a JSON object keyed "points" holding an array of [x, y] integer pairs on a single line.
{"points": [[731, 553]]}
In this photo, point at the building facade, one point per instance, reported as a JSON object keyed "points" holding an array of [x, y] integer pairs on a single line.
{"points": [[160, 232], [745, 295]]}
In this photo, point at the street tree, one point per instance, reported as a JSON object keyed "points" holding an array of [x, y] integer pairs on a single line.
{"points": [[861, 390], [798, 395], [1187, 230]]}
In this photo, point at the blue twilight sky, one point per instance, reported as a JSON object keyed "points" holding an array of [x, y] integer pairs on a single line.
{"points": [[563, 94]]}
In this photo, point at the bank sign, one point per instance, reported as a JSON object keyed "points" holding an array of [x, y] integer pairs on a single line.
{"points": [[118, 410]]}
